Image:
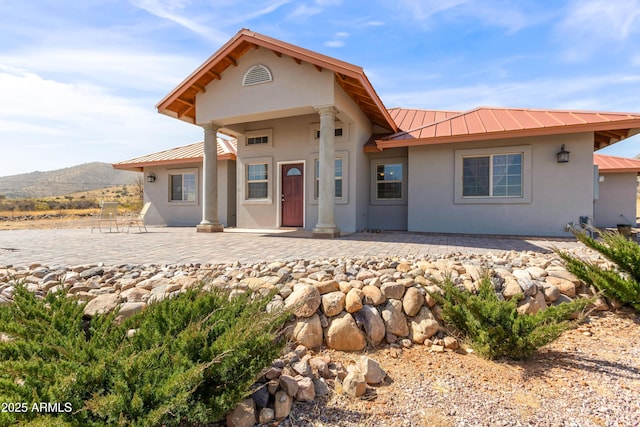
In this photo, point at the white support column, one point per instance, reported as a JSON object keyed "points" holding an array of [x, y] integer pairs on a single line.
{"points": [[210, 222], [326, 226]]}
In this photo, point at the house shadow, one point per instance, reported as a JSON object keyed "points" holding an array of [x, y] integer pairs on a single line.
{"points": [[540, 365]]}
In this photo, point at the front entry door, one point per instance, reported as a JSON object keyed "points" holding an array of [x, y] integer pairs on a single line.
{"points": [[292, 197]]}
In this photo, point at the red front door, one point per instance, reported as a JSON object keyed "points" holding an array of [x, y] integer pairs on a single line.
{"points": [[292, 197]]}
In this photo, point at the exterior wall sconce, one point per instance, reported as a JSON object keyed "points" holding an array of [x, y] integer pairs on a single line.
{"points": [[151, 177], [563, 155]]}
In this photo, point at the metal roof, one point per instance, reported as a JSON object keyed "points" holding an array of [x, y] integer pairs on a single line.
{"points": [[407, 119], [486, 123], [614, 164], [227, 150], [181, 102]]}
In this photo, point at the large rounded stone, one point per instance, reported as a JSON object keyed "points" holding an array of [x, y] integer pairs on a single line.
{"points": [[373, 373], [372, 323], [102, 304], [305, 300], [308, 331], [128, 309], [394, 319], [327, 286], [244, 415], [423, 326], [373, 295], [354, 384], [343, 334], [511, 288], [566, 287], [393, 290], [412, 302], [283, 404], [353, 300], [333, 303]]}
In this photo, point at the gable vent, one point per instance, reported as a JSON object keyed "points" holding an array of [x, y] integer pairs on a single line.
{"points": [[256, 75]]}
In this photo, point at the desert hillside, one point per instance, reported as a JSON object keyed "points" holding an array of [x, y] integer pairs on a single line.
{"points": [[60, 182]]}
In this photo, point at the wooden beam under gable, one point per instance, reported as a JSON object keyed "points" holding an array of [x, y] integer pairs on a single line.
{"points": [[276, 53], [214, 75], [183, 113], [182, 101], [319, 68], [298, 61], [232, 60], [199, 87]]}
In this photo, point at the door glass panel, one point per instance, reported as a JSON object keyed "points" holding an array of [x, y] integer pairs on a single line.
{"points": [[294, 172]]}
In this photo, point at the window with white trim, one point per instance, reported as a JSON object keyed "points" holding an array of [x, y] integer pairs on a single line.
{"points": [[389, 181], [259, 138], [493, 175], [496, 175], [257, 181], [183, 186], [338, 179]]}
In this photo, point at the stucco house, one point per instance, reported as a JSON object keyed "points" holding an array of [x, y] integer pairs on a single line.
{"points": [[294, 138], [616, 198]]}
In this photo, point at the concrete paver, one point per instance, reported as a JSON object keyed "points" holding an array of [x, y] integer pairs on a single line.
{"points": [[169, 245]]}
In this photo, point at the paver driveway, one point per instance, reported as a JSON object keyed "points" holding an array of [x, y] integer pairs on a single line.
{"points": [[166, 245]]}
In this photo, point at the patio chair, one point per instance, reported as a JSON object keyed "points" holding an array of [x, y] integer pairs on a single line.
{"points": [[138, 218], [108, 216]]}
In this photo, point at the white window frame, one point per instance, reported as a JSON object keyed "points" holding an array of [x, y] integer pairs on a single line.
{"points": [[374, 181], [245, 181], [183, 172], [460, 155], [258, 134], [344, 155]]}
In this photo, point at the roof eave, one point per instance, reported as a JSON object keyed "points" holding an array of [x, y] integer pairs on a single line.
{"points": [[631, 125]]}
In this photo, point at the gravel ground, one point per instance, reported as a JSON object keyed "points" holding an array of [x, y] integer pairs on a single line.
{"points": [[588, 377]]}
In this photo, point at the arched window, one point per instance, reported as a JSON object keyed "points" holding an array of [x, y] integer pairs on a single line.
{"points": [[256, 75]]}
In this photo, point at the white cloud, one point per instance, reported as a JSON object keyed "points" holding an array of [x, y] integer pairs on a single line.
{"points": [[47, 122], [334, 43], [120, 68], [496, 13], [338, 39], [173, 10], [591, 25], [249, 13], [304, 12]]}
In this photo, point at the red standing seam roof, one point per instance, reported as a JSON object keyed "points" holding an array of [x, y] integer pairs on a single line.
{"points": [[496, 123], [614, 164], [227, 150]]}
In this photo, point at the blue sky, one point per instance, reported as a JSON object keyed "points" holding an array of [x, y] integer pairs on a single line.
{"points": [[79, 80]]}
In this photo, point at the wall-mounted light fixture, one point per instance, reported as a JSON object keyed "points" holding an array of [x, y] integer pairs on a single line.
{"points": [[151, 177], [563, 155]]}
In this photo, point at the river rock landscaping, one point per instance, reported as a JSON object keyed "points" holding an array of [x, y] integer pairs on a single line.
{"points": [[366, 327]]}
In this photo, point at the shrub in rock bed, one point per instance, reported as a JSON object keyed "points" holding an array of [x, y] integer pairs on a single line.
{"points": [[622, 284], [495, 328], [191, 359]]}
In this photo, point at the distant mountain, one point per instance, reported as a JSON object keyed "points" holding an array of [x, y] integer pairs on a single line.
{"points": [[60, 182]]}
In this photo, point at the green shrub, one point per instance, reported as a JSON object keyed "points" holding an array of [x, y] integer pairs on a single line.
{"points": [[623, 284], [495, 329], [191, 359]]}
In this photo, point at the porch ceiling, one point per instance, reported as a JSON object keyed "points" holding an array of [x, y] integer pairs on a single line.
{"points": [[181, 102]]}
